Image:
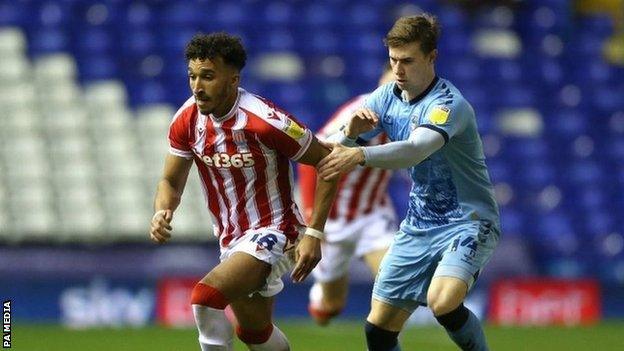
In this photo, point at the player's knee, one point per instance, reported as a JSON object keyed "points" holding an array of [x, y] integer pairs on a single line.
{"points": [[454, 319], [442, 303], [378, 339], [207, 295], [254, 336]]}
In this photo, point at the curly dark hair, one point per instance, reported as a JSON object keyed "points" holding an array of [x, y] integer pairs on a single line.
{"points": [[423, 28], [208, 46]]}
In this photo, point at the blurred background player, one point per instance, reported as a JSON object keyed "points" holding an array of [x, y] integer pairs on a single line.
{"points": [[241, 144], [452, 224], [361, 223]]}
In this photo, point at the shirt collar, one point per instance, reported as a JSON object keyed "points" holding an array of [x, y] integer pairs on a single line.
{"points": [[398, 92]]}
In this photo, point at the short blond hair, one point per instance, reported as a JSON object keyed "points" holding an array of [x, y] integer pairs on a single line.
{"points": [[423, 28]]}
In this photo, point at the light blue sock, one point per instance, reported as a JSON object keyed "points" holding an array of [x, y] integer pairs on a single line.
{"points": [[470, 336]]}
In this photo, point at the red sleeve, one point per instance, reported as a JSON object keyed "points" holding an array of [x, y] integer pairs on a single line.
{"points": [[282, 132], [307, 186], [179, 130]]}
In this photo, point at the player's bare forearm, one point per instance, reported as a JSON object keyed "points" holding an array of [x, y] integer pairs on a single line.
{"points": [[323, 200], [325, 191], [308, 252], [168, 194], [171, 185]]}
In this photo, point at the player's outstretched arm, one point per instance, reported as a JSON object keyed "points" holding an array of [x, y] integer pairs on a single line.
{"points": [[394, 155], [308, 252], [168, 194]]}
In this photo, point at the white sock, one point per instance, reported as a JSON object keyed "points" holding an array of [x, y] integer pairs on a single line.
{"points": [[215, 331], [316, 295], [277, 342]]}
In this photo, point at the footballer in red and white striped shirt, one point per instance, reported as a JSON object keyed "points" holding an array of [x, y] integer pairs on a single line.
{"points": [[242, 145], [361, 223], [243, 161]]}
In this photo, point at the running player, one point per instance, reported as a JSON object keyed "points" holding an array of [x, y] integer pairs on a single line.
{"points": [[241, 144], [452, 224], [361, 223]]}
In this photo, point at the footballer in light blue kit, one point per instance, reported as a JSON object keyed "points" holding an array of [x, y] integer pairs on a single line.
{"points": [[452, 224]]}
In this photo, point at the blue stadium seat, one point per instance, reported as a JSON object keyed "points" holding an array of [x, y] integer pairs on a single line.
{"points": [[48, 40], [599, 25], [321, 15], [318, 42], [457, 43], [52, 14], [363, 15], [15, 14], [513, 96], [180, 14], [280, 13], [608, 99], [150, 92], [526, 149], [512, 222], [140, 15], [566, 123], [503, 71], [97, 67], [584, 172], [138, 42], [536, 174], [453, 18], [598, 221], [94, 41]]}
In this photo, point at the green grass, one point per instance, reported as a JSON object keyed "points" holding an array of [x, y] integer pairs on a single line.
{"points": [[339, 336]]}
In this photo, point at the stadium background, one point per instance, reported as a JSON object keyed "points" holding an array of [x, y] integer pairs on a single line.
{"points": [[87, 89]]}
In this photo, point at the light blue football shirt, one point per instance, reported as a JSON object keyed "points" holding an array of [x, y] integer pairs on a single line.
{"points": [[453, 184]]}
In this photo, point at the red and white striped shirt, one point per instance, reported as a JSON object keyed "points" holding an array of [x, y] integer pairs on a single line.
{"points": [[359, 192], [243, 162]]}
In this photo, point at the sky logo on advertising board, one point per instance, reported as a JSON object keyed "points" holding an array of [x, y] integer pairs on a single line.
{"points": [[99, 304]]}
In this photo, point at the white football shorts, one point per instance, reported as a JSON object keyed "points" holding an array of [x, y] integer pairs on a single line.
{"points": [[269, 246], [343, 241]]}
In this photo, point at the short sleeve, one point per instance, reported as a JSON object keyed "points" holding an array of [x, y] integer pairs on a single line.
{"points": [[286, 134], [179, 130], [448, 119]]}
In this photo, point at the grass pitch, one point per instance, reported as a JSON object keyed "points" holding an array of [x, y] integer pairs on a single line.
{"points": [[342, 335]]}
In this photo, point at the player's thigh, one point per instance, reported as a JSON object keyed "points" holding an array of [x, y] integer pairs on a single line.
{"points": [[387, 316], [445, 294], [375, 239], [335, 261], [238, 275], [466, 248], [336, 290], [373, 259], [253, 312]]}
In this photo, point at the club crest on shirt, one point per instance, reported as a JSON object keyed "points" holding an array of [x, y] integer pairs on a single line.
{"points": [[293, 129], [238, 136], [439, 114]]}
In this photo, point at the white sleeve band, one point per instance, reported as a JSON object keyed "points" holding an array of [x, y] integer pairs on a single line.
{"points": [[403, 154], [315, 233]]}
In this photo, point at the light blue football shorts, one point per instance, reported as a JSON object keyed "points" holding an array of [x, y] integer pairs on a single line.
{"points": [[457, 250]]}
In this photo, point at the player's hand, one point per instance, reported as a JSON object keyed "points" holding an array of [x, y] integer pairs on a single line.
{"points": [[160, 226], [341, 160], [362, 120], [307, 255]]}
